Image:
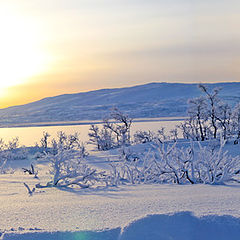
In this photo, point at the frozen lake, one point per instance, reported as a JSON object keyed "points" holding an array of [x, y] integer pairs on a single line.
{"points": [[30, 135]]}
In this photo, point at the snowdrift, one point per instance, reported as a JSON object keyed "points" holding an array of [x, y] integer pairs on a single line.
{"points": [[179, 226]]}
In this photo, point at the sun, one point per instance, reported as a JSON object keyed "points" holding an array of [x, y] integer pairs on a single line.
{"points": [[21, 55]]}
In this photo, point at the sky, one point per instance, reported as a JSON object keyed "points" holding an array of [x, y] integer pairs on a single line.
{"points": [[52, 47]]}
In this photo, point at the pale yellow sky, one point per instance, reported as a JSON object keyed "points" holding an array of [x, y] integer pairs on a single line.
{"points": [[51, 47]]}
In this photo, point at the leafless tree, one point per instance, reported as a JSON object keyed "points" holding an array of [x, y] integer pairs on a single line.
{"points": [[120, 127], [213, 101], [44, 141], [115, 131], [198, 111]]}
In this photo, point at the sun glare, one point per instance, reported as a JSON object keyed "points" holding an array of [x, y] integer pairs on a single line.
{"points": [[20, 54]]}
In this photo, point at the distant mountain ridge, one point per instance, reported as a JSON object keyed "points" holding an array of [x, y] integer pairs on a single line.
{"points": [[142, 101]]}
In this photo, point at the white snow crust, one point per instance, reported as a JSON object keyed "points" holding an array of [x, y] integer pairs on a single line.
{"points": [[152, 212]]}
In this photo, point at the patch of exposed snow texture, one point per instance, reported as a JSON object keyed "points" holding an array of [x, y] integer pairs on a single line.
{"points": [[153, 211], [143, 101], [60, 210], [179, 226]]}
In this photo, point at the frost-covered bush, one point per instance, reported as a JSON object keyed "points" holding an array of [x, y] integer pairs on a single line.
{"points": [[127, 170], [143, 136], [191, 129], [174, 134], [67, 142], [197, 123], [216, 166], [101, 138], [235, 121], [11, 151], [162, 136], [120, 128], [13, 144], [67, 167], [212, 102], [209, 117], [44, 141], [66, 156], [3, 161], [114, 133], [170, 164], [224, 120]]}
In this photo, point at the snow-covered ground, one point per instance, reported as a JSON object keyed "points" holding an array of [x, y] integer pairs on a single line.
{"points": [[117, 209], [152, 212]]}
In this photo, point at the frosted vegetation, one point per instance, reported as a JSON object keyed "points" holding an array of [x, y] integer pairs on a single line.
{"points": [[105, 187], [200, 157]]}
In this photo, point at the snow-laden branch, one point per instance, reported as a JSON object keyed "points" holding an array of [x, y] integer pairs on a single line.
{"points": [[171, 164]]}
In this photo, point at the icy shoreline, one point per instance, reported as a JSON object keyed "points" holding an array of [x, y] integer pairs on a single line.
{"points": [[85, 122]]}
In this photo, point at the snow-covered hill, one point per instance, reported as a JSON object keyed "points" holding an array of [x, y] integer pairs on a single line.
{"points": [[143, 101]]}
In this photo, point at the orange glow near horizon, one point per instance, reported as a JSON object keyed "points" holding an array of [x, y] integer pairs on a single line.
{"points": [[48, 48]]}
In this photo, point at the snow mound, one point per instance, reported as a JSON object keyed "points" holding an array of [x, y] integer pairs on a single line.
{"points": [[183, 226], [179, 226]]}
